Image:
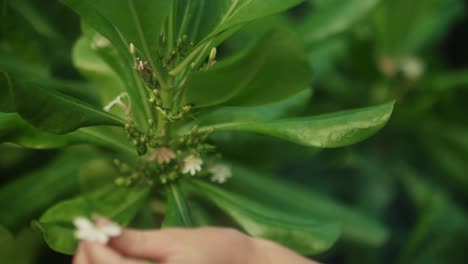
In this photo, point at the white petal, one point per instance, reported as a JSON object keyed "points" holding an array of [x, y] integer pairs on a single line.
{"points": [[83, 223], [111, 230]]}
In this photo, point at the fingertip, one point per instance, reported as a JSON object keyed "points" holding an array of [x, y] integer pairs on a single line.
{"points": [[80, 255], [97, 253], [153, 245]]}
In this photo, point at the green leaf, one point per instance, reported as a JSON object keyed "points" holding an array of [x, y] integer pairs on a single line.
{"points": [[35, 18], [440, 217], [210, 22], [284, 108], [139, 19], [24, 248], [298, 199], [24, 198], [18, 68], [298, 232], [444, 82], [178, 212], [333, 17], [112, 72], [55, 112], [16, 130], [274, 68], [96, 173], [227, 14], [118, 204], [7, 103], [418, 22], [140, 22], [95, 69], [324, 131]]}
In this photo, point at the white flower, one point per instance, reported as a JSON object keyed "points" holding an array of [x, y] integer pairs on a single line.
{"points": [[191, 165], [413, 68], [220, 173], [99, 232], [162, 155]]}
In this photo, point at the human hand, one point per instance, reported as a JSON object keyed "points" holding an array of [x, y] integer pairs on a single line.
{"points": [[186, 246]]}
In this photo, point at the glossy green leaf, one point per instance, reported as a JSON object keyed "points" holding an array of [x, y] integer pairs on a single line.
{"points": [[116, 203], [37, 20], [213, 21], [24, 198], [15, 130], [284, 108], [95, 69], [24, 248], [333, 17], [418, 22], [96, 173], [324, 131], [298, 232], [178, 212], [299, 199], [18, 68], [140, 22], [112, 72], [274, 68], [55, 112], [226, 14]]}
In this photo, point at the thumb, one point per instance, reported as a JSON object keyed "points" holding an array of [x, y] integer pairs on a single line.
{"points": [[155, 245]]}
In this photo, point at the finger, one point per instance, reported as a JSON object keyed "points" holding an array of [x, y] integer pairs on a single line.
{"points": [[80, 256], [100, 254], [155, 245]]}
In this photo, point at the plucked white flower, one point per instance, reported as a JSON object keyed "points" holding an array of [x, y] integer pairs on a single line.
{"points": [[413, 68], [99, 232], [191, 165], [162, 155], [220, 173]]}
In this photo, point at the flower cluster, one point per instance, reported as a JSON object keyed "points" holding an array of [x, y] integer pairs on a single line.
{"points": [[166, 157]]}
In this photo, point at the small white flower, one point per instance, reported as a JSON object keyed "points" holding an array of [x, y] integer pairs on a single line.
{"points": [[220, 173], [191, 165], [99, 232], [162, 155], [413, 68]]}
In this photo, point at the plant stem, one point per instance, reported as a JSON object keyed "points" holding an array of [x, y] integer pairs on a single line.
{"points": [[170, 30], [185, 19]]}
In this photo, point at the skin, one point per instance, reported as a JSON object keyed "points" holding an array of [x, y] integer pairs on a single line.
{"points": [[186, 246]]}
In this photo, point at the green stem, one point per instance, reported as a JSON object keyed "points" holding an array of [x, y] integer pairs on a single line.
{"points": [[185, 19], [178, 213], [185, 63], [170, 30]]}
